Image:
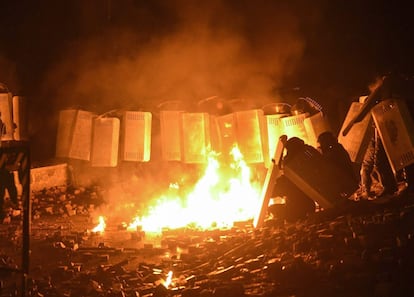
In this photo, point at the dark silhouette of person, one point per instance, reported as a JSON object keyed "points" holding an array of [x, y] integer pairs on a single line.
{"points": [[375, 164], [297, 203], [7, 183], [6, 178], [336, 154]]}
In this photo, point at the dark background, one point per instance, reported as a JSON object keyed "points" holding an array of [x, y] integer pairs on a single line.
{"points": [[102, 55]]}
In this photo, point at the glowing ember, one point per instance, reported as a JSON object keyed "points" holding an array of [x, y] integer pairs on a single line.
{"points": [[168, 281], [101, 226], [223, 195]]}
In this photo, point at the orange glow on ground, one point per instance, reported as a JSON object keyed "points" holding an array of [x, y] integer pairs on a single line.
{"points": [[223, 195]]}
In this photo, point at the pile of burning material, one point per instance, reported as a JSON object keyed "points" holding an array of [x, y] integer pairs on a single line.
{"points": [[321, 256], [363, 251]]}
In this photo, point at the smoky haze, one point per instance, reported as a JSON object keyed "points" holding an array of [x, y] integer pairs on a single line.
{"points": [[127, 54], [203, 49], [132, 54]]}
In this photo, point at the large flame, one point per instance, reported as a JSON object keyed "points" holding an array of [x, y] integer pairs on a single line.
{"points": [[224, 194]]}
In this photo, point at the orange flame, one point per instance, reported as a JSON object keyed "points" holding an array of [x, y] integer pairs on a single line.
{"points": [[221, 197], [168, 281], [101, 225]]}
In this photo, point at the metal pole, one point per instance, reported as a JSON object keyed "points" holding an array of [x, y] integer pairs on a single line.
{"points": [[25, 181]]}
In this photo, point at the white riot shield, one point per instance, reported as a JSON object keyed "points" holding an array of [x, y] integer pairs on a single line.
{"points": [[396, 129], [251, 135], [227, 133], [105, 142], [357, 139], [274, 131], [294, 126], [6, 117], [136, 136], [74, 135], [195, 134], [170, 130], [314, 126]]}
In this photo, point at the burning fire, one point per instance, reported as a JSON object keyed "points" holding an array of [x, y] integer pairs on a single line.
{"points": [[223, 195], [168, 281], [101, 226]]}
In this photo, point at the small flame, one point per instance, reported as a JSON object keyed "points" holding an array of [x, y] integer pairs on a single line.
{"points": [[168, 281], [134, 225], [101, 225]]}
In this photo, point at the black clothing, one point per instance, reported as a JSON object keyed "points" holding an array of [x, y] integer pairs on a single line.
{"points": [[336, 154], [298, 204], [7, 182]]}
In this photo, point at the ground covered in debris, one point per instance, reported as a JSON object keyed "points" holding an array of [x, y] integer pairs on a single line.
{"points": [[363, 248]]}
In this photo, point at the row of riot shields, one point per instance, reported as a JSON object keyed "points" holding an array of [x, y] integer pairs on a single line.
{"points": [[183, 136], [83, 135]]}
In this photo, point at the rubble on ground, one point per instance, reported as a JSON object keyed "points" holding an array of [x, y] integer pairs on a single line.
{"points": [[363, 249]]}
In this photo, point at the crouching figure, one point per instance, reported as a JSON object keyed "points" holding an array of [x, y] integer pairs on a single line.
{"points": [[311, 179]]}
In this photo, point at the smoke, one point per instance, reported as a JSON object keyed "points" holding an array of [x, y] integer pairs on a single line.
{"points": [[156, 51], [203, 49], [374, 85], [134, 55], [8, 73]]}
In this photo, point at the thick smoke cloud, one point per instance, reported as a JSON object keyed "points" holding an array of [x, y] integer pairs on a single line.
{"points": [[243, 50]]}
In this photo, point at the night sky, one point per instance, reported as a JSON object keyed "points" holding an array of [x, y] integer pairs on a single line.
{"points": [[102, 55]]}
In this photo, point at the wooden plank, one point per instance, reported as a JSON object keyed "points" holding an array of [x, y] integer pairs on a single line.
{"points": [[273, 172]]}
